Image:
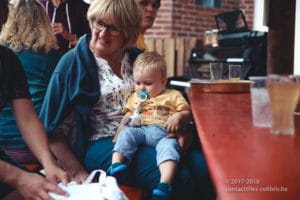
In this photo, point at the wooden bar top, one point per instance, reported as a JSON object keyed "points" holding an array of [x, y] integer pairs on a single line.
{"points": [[245, 162]]}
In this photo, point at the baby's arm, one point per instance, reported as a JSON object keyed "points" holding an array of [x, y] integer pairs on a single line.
{"points": [[122, 125], [175, 122]]}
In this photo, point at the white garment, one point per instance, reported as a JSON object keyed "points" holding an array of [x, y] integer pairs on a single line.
{"points": [[114, 93], [105, 189]]}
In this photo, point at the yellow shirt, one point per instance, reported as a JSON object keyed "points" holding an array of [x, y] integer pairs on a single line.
{"points": [[140, 43], [158, 109]]}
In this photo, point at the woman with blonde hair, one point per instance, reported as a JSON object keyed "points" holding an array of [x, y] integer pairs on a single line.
{"points": [[88, 91]]}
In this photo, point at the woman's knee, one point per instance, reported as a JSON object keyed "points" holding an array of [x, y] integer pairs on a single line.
{"points": [[98, 154], [184, 184], [144, 168]]}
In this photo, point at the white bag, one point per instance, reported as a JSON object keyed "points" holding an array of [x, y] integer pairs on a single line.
{"points": [[105, 189]]}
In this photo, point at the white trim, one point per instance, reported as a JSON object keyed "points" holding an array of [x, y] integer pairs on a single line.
{"points": [[297, 40], [87, 1], [260, 15], [180, 83]]}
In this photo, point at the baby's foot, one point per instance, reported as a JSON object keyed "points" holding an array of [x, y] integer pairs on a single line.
{"points": [[116, 168], [162, 192]]}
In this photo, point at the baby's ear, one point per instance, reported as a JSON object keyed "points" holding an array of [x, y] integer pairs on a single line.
{"points": [[164, 81]]}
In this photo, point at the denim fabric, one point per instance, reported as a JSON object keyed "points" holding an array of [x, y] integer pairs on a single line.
{"points": [[130, 138]]}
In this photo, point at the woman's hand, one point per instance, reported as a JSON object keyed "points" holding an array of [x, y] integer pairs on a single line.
{"points": [[56, 175], [34, 186], [59, 29]]}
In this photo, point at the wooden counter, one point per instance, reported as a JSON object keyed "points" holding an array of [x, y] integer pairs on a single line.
{"points": [[245, 162]]}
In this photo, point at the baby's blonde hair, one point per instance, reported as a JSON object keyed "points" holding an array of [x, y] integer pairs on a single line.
{"points": [[150, 61]]}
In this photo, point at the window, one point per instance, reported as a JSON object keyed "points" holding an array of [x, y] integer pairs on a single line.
{"points": [[209, 3]]}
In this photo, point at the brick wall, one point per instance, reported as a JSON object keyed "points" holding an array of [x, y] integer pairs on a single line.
{"points": [[183, 18]]}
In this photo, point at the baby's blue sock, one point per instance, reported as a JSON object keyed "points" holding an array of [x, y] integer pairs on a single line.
{"points": [[116, 168], [162, 192]]}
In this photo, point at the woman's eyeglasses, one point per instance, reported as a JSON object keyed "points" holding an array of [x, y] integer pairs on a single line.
{"points": [[100, 26]]}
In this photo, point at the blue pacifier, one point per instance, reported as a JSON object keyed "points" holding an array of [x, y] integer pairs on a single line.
{"points": [[143, 94]]}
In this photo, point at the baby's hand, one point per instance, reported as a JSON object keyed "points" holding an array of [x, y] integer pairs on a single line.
{"points": [[173, 123]]}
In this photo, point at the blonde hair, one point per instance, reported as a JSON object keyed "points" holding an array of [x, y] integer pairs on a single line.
{"points": [[150, 61], [28, 27], [125, 14]]}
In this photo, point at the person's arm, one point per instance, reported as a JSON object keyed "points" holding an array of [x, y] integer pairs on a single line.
{"points": [[56, 107], [183, 117], [177, 120], [58, 142], [129, 107], [122, 125], [35, 137], [66, 158], [29, 185], [59, 29], [177, 130], [183, 114]]}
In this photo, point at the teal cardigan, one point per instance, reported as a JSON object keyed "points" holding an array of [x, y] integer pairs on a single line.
{"points": [[74, 86]]}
